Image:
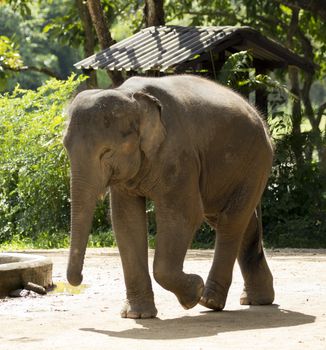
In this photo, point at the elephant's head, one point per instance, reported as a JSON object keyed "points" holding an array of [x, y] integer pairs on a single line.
{"points": [[107, 133]]}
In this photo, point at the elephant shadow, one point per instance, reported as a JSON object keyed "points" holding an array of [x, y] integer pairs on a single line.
{"points": [[211, 323]]}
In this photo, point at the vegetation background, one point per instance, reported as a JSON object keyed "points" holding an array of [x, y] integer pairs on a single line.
{"points": [[40, 41]]}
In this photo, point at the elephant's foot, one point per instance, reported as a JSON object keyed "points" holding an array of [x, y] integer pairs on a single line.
{"points": [[214, 296], [191, 292], [257, 297], [258, 288], [139, 308]]}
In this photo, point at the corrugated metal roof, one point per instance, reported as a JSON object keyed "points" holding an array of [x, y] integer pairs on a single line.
{"points": [[165, 47]]}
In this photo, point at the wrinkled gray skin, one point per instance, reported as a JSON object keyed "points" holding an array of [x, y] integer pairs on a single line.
{"points": [[200, 152]]}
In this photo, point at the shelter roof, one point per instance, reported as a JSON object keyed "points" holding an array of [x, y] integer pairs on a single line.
{"points": [[165, 48]]}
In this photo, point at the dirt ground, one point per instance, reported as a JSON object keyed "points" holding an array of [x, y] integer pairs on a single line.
{"points": [[88, 317]]}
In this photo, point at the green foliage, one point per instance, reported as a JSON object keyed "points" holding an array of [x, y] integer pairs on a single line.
{"points": [[10, 60], [9, 55], [238, 73], [236, 69], [102, 239], [44, 240], [21, 6], [204, 238], [202, 12], [99, 221], [123, 16], [65, 26], [150, 213], [58, 239], [34, 171], [36, 48], [294, 203]]}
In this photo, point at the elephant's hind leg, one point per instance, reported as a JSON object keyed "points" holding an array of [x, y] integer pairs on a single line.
{"points": [[231, 224], [258, 280], [228, 239]]}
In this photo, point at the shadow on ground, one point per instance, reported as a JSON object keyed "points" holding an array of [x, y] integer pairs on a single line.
{"points": [[211, 323]]}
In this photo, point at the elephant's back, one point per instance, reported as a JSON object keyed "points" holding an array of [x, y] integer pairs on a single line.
{"points": [[207, 112], [197, 98]]}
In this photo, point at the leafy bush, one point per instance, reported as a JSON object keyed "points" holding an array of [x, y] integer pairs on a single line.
{"points": [[10, 60], [34, 172], [294, 203], [204, 238]]}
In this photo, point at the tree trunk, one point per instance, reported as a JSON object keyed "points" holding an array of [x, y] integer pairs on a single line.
{"points": [[313, 116], [154, 13], [89, 43], [296, 117], [322, 155], [103, 34], [322, 151]]}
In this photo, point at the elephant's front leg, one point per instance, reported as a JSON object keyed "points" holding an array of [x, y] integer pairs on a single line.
{"points": [[176, 225], [129, 224]]}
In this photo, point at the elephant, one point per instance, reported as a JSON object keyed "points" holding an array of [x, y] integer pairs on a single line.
{"points": [[200, 152]]}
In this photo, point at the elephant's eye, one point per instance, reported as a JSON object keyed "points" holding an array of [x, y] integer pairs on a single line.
{"points": [[105, 152]]}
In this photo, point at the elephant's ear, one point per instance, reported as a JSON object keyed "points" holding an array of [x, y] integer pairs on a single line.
{"points": [[151, 128]]}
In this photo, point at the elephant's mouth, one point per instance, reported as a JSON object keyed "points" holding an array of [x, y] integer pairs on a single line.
{"points": [[113, 178], [111, 182]]}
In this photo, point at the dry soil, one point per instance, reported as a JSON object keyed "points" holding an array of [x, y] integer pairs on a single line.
{"points": [[88, 317]]}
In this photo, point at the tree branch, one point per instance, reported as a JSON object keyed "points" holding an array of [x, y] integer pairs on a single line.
{"points": [[316, 7], [43, 70]]}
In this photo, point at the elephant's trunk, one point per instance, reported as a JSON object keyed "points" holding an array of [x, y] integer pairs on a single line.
{"points": [[83, 202]]}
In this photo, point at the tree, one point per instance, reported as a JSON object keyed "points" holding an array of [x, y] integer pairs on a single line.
{"points": [[103, 34], [89, 41], [154, 13]]}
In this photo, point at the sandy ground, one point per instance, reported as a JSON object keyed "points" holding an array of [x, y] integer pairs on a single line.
{"points": [[90, 319]]}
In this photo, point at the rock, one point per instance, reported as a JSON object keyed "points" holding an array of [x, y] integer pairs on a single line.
{"points": [[18, 293], [35, 288]]}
